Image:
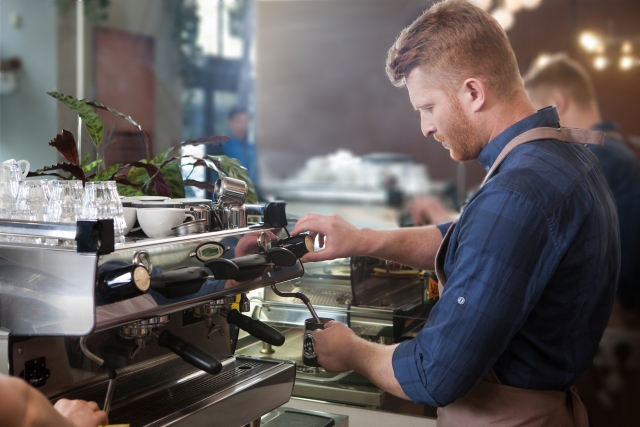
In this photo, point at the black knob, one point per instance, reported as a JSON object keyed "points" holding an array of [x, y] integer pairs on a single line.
{"points": [[256, 328], [123, 282], [190, 353]]}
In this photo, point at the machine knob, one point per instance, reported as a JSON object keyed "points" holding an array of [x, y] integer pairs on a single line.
{"points": [[123, 282]]}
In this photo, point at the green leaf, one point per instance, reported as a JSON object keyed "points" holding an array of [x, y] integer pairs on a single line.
{"points": [[128, 191], [107, 174], [114, 112], [173, 178], [85, 160], [91, 166], [160, 158], [88, 115]]}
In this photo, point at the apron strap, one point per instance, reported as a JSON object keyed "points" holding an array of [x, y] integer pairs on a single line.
{"points": [[571, 135]]}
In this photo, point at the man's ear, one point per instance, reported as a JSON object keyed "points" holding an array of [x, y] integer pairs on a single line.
{"points": [[473, 95], [561, 100]]}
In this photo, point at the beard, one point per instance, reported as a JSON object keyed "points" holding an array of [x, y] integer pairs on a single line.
{"points": [[464, 140]]}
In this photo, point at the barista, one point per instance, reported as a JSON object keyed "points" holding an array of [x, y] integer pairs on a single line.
{"points": [[530, 269], [23, 406], [565, 83]]}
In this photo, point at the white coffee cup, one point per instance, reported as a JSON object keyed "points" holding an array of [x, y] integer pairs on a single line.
{"points": [[129, 218], [20, 163], [158, 222]]}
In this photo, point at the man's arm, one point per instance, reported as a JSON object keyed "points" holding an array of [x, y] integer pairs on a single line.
{"points": [[340, 350], [415, 247], [23, 406]]}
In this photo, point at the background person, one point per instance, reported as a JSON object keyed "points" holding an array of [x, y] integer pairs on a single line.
{"points": [[238, 145], [566, 84]]}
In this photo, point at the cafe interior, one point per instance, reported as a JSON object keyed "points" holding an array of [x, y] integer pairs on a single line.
{"points": [[158, 154]]}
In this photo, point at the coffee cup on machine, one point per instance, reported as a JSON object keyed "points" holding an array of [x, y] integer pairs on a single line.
{"points": [[309, 357], [158, 222]]}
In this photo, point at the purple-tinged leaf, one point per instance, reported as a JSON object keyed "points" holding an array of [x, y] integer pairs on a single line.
{"points": [[159, 185], [74, 170], [65, 143]]}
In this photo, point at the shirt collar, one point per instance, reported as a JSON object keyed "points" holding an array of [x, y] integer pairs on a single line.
{"points": [[607, 126], [547, 117]]}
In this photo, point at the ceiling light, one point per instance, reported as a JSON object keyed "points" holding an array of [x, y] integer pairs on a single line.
{"points": [[590, 42], [513, 5], [504, 17], [600, 62], [530, 4], [542, 60], [626, 48], [482, 4], [627, 62]]}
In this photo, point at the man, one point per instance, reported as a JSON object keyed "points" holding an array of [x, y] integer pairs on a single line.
{"points": [[564, 83], [530, 268], [238, 147], [23, 406]]}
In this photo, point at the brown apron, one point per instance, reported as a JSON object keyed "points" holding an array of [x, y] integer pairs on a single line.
{"points": [[492, 403]]}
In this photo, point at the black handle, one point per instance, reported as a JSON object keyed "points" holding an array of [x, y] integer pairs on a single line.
{"points": [[190, 353], [256, 328], [179, 282], [250, 266]]}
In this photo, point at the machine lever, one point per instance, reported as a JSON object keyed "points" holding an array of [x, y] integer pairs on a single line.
{"points": [[250, 266], [260, 330], [190, 353]]}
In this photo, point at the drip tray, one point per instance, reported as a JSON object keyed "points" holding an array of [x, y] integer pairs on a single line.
{"points": [[172, 392]]}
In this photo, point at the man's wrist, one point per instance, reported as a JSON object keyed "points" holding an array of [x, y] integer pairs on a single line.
{"points": [[369, 241]]}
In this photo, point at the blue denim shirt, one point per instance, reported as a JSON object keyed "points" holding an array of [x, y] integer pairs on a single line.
{"points": [[531, 272], [622, 171]]}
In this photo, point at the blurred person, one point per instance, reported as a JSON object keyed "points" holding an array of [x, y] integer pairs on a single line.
{"points": [[565, 83], [238, 146], [429, 210], [23, 406], [529, 270]]}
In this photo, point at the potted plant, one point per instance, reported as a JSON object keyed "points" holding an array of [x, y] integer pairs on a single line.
{"points": [[157, 176]]}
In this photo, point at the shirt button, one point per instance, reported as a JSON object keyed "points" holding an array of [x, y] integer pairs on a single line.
{"points": [[461, 300]]}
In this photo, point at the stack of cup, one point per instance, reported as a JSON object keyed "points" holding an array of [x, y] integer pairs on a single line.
{"points": [[65, 205], [31, 204], [101, 201]]}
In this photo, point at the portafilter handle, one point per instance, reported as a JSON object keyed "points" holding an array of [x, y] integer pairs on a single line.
{"points": [[300, 296], [190, 353]]}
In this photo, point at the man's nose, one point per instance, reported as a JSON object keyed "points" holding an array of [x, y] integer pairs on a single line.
{"points": [[428, 128]]}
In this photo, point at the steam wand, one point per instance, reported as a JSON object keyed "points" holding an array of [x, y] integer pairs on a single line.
{"points": [[300, 296]]}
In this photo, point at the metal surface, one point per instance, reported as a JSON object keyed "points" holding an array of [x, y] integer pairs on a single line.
{"points": [[275, 417], [192, 227], [316, 383], [169, 392], [5, 354], [55, 286], [230, 191], [62, 324], [299, 296], [51, 230]]}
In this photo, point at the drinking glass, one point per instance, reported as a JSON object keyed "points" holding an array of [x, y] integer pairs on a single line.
{"points": [[101, 201], [65, 205], [31, 204]]}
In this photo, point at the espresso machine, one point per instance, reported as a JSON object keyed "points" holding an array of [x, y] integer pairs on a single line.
{"points": [[148, 328]]}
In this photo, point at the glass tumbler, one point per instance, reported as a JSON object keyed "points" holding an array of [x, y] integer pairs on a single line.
{"points": [[31, 204], [99, 202], [65, 205]]}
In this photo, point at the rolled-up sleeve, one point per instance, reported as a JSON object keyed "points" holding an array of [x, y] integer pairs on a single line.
{"points": [[444, 227], [503, 257]]}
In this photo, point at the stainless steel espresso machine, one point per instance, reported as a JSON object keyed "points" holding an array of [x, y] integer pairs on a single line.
{"points": [[147, 328]]}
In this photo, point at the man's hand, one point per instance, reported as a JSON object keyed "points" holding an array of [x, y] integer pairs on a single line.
{"points": [[340, 350], [333, 345], [337, 237], [80, 413]]}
